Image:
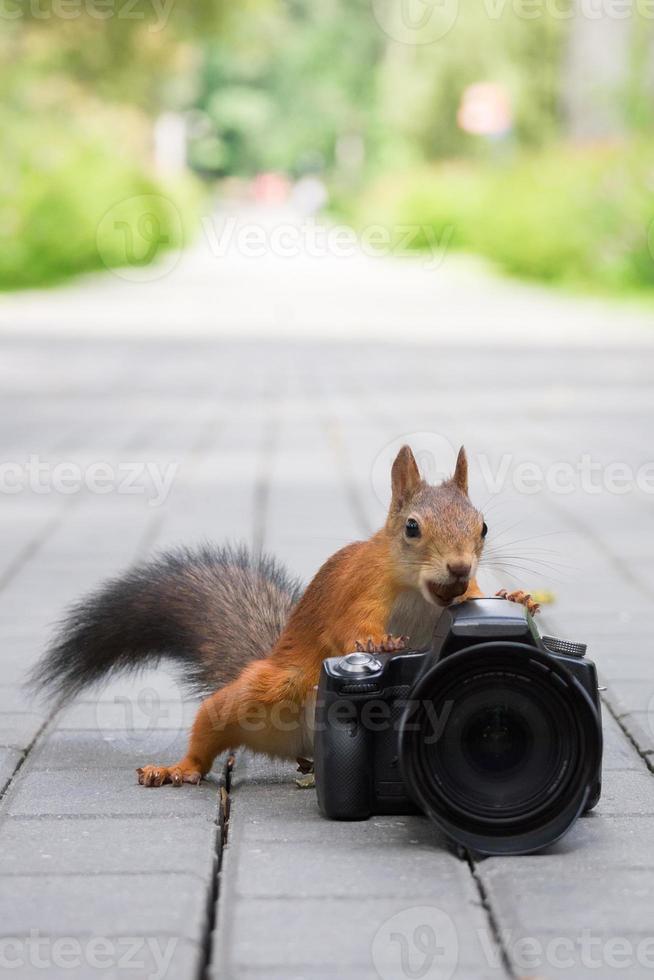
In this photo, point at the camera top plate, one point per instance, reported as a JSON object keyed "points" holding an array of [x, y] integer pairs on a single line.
{"points": [[490, 618]]}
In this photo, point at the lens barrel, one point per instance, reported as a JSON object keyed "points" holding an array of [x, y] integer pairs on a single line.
{"points": [[500, 745]]}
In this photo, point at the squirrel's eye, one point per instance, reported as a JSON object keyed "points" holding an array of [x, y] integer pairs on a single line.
{"points": [[484, 529], [412, 528]]}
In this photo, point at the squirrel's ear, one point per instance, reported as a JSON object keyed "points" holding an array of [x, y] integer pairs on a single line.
{"points": [[461, 471], [405, 477]]}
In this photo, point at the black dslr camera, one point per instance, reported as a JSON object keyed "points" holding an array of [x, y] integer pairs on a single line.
{"points": [[495, 733]]}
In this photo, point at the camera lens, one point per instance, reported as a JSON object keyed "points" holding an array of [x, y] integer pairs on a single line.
{"points": [[504, 743], [497, 740], [499, 745]]}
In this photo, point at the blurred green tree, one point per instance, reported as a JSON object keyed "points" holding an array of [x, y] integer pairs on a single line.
{"points": [[285, 86]]}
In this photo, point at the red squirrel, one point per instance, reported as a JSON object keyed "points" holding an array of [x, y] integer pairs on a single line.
{"points": [[241, 624]]}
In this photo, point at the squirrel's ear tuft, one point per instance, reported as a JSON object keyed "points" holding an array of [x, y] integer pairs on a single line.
{"points": [[461, 471], [405, 478]]}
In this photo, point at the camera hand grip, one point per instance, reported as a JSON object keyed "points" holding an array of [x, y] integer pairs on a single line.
{"points": [[342, 769]]}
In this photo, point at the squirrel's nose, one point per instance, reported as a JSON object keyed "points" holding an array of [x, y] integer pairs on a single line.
{"points": [[460, 569]]}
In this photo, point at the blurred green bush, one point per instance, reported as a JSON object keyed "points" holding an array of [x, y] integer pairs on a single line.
{"points": [[577, 217], [74, 199]]}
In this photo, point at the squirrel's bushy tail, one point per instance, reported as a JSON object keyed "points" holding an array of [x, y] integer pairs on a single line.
{"points": [[212, 610]]}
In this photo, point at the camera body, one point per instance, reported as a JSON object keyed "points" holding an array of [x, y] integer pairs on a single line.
{"points": [[367, 704]]}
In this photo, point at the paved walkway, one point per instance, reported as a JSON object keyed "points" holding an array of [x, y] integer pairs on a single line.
{"points": [[271, 404]]}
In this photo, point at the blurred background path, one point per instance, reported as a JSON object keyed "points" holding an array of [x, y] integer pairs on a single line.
{"points": [[271, 273], [262, 399]]}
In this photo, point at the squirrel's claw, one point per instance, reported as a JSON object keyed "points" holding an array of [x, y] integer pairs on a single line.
{"points": [[387, 644], [160, 775], [522, 598]]}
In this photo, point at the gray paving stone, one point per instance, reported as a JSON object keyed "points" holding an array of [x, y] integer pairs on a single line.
{"points": [[316, 971], [136, 712], [313, 972], [166, 685], [14, 697], [635, 694], [314, 892], [291, 815], [104, 905], [18, 729], [114, 792], [339, 934], [618, 751], [612, 842], [9, 759], [613, 662], [14, 670], [290, 870], [302, 897], [66, 845], [104, 749], [255, 770], [627, 794], [640, 726], [609, 843], [528, 898]]}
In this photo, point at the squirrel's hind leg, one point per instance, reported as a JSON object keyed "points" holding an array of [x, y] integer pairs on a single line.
{"points": [[263, 710]]}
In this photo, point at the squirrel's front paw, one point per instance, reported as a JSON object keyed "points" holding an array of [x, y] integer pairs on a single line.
{"points": [[159, 775], [387, 644], [523, 598]]}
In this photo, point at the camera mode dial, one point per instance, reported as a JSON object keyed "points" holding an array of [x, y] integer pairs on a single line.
{"points": [[359, 663], [568, 647]]}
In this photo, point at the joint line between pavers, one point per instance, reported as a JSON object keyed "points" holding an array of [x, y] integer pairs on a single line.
{"points": [[222, 831], [492, 917], [646, 756], [21, 762]]}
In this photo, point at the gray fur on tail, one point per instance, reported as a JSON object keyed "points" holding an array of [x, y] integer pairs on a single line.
{"points": [[212, 610]]}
